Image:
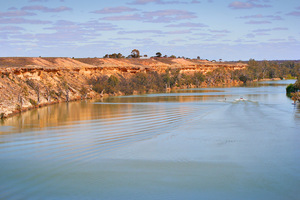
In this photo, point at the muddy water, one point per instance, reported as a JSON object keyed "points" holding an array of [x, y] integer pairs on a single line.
{"points": [[192, 144]]}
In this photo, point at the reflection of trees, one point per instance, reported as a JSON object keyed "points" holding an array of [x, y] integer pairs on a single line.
{"points": [[63, 113], [72, 112], [297, 112]]}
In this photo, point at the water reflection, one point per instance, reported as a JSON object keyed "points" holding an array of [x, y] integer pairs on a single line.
{"points": [[192, 144], [297, 112]]}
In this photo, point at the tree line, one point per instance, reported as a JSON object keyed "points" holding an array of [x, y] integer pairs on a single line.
{"points": [[144, 82], [258, 70], [135, 53], [160, 82], [172, 78]]}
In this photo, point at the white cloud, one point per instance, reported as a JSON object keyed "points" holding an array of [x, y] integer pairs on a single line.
{"points": [[134, 17], [258, 22], [141, 32], [16, 13], [246, 5], [295, 13], [179, 32], [162, 2], [110, 10], [165, 16], [160, 16], [260, 16], [47, 9], [219, 31], [188, 24], [23, 21]]}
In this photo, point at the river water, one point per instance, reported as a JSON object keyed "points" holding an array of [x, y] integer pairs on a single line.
{"points": [[191, 144]]}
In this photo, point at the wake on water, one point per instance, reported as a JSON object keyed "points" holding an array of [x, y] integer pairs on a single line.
{"points": [[237, 100]]}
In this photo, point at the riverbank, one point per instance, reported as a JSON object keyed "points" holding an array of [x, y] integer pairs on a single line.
{"points": [[8, 110], [28, 83]]}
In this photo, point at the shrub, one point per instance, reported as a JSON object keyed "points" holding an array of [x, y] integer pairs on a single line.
{"points": [[290, 88], [243, 78], [18, 107], [33, 102]]}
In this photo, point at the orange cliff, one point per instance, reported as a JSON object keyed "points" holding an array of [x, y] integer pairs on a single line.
{"points": [[19, 75]]}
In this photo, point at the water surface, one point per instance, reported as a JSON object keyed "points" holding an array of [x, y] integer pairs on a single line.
{"points": [[191, 144]]}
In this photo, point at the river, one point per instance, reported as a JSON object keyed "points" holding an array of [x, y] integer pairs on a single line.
{"points": [[203, 143]]}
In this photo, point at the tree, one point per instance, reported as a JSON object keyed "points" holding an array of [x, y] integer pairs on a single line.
{"points": [[243, 78], [114, 55], [139, 81], [48, 92], [20, 100], [198, 78], [135, 53], [83, 92], [158, 54], [112, 84], [66, 87], [264, 68], [113, 81], [296, 97], [35, 87], [119, 55]]}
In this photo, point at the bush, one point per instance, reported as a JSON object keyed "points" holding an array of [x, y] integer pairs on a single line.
{"points": [[33, 102], [18, 107], [243, 78], [290, 89]]}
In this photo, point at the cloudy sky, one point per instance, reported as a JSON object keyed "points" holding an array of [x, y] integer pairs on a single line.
{"points": [[211, 29]]}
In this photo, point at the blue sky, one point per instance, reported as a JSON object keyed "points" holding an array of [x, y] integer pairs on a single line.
{"points": [[211, 29]]}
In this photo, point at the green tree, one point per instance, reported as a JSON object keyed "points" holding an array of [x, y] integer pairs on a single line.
{"points": [[198, 78], [112, 84], [243, 78], [113, 81], [135, 53], [158, 54], [99, 83], [139, 82], [83, 92]]}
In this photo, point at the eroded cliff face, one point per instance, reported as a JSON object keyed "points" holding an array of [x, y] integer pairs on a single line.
{"points": [[30, 82]]}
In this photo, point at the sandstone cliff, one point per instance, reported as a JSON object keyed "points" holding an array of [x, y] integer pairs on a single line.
{"points": [[30, 82]]}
